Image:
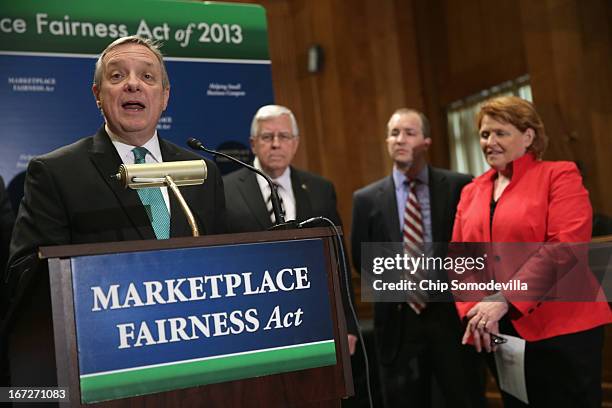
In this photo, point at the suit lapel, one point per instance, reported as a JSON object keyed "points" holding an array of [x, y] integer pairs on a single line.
{"points": [[106, 159], [303, 206], [388, 204], [439, 191], [251, 194]]}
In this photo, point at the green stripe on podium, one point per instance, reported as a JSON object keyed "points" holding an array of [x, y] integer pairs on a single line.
{"points": [[151, 379]]}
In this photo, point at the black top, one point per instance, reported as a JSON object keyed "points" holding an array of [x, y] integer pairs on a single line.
{"points": [[491, 212]]}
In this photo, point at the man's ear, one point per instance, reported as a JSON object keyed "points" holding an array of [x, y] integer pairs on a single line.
{"points": [[297, 142], [96, 92], [166, 98]]}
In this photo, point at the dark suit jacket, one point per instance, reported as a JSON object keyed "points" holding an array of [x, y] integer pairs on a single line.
{"points": [[247, 212], [246, 208], [7, 219], [375, 219], [70, 198]]}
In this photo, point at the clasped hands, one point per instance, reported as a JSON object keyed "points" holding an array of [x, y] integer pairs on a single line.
{"points": [[483, 322]]}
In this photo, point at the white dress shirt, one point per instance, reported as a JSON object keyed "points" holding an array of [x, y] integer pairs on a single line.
{"points": [[285, 190]]}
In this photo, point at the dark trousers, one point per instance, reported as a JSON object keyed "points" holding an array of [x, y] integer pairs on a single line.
{"points": [[562, 371], [431, 367]]}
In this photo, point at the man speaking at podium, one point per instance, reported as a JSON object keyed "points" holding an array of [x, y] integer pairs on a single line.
{"points": [[70, 197]]}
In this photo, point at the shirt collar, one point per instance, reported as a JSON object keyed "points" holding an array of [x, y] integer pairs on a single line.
{"points": [[399, 177], [520, 166], [284, 180], [125, 150]]}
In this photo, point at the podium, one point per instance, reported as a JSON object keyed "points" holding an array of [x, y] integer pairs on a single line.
{"points": [[240, 320]]}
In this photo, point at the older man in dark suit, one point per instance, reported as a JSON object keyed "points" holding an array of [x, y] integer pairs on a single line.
{"points": [[416, 340], [70, 197], [274, 141], [303, 195]]}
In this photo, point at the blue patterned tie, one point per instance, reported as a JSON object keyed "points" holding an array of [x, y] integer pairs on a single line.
{"points": [[153, 201]]}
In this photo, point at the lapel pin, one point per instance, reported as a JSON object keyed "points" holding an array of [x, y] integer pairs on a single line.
{"points": [[304, 187]]}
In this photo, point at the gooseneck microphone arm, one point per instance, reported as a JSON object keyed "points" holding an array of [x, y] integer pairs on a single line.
{"points": [[195, 144]]}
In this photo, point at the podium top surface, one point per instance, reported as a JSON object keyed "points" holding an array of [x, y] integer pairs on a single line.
{"points": [[67, 251]]}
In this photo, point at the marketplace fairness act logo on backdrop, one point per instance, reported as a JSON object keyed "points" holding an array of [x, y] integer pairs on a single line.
{"points": [[31, 84]]}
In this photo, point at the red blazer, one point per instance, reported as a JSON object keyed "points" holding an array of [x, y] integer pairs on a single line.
{"points": [[544, 202]]}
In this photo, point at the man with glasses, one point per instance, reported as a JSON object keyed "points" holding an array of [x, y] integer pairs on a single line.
{"points": [[416, 341], [303, 195], [274, 141]]}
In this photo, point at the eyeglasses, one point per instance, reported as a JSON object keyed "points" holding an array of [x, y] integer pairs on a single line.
{"points": [[283, 137]]}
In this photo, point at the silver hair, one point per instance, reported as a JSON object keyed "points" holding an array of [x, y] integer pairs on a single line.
{"points": [[132, 39], [270, 112]]}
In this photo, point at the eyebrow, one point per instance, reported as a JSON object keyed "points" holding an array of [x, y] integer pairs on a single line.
{"points": [[404, 128], [119, 62], [494, 129]]}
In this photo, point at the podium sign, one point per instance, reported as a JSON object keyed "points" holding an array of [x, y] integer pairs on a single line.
{"points": [[154, 321]]}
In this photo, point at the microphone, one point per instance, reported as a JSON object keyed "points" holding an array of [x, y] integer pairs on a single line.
{"points": [[145, 175], [195, 144]]}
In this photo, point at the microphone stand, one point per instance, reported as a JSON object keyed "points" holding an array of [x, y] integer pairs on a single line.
{"points": [[280, 223]]}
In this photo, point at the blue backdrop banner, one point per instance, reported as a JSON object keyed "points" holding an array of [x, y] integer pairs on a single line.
{"points": [[216, 55]]}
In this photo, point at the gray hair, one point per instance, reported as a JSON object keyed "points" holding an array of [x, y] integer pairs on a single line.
{"points": [[425, 127], [271, 112], [153, 46]]}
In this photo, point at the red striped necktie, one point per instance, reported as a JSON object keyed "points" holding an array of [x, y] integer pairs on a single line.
{"points": [[413, 223], [413, 234]]}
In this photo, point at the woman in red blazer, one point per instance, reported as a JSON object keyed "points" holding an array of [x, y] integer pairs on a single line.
{"points": [[524, 199]]}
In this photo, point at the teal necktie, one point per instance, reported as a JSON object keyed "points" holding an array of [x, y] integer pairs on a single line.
{"points": [[153, 201]]}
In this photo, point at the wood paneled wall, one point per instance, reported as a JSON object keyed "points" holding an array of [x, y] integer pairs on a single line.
{"points": [[568, 45], [426, 54], [342, 110]]}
